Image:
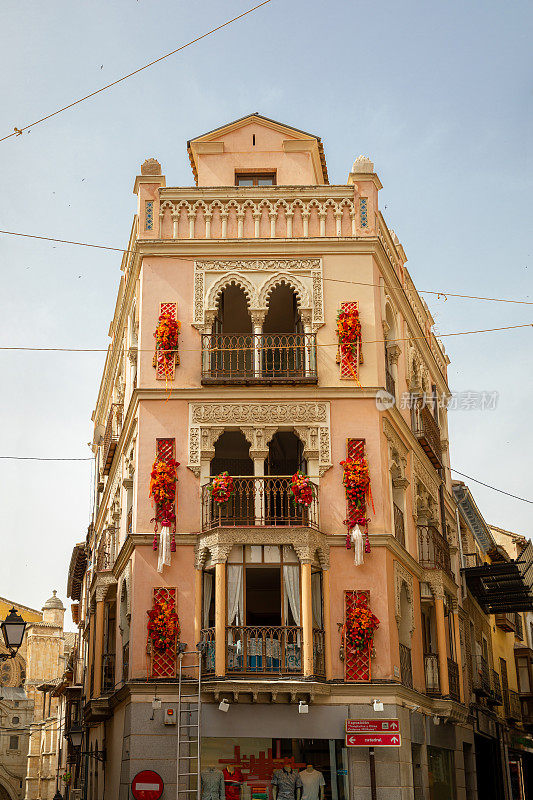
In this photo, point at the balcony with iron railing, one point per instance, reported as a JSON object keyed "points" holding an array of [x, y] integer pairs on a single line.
{"points": [[506, 621], [287, 358], [481, 677], [495, 698], [433, 549], [406, 667], [427, 432], [399, 524], [111, 436], [511, 705], [263, 501], [108, 672], [263, 650], [431, 672], [390, 383]]}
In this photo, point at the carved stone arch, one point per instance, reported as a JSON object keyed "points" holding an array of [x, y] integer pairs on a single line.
{"points": [[182, 204], [200, 204], [232, 279], [264, 203], [403, 578], [330, 203], [314, 204], [348, 203], [281, 204], [249, 204], [163, 207], [304, 300], [217, 204]]}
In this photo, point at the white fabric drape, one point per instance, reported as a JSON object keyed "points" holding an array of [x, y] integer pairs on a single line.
{"points": [[164, 548], [291, 586], [316, 599], [358, 545], [235, 594], [208, 594]]}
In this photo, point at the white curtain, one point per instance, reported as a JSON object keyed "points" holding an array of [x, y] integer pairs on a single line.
{"points": [[164, 549], [208, 594], [316, 599], [235, 594], [291, 585]]}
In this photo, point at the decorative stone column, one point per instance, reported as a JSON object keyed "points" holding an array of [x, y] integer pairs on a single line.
{"points": [[327, 624], [459, 655], [198, 592], [220, 619], [307, 618], [99, 640], [258, 317]]}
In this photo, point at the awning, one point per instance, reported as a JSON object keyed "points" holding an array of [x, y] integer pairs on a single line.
{"points": [[505, 586]]}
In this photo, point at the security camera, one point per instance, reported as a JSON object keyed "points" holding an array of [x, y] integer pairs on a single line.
{"points": [[378, 705], [223, 706], [303, 707]]}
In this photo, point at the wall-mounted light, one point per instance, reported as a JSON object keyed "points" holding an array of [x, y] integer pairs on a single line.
{"points": [[303, 707], [13, 628], [378, 705], [223, 706]]}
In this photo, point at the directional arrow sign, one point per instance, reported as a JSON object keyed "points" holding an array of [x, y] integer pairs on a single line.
{"points": [[372, 725], [373, 740]]}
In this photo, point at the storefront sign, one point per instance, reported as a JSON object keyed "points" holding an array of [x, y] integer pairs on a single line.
{"points": [[147, 785], [373, 740], [372, 725]]}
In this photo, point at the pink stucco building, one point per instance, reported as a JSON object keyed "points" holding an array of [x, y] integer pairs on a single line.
{"points": [[255, 261]]}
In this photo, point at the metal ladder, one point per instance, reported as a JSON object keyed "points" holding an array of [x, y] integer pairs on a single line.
{"points": [[189, 725]]}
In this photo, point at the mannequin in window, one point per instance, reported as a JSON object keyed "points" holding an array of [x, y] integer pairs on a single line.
{"points": [[286, 784], [313, 783], [232, 781], [212, 780]]}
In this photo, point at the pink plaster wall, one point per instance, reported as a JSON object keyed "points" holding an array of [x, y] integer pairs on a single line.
{"points": [[218, 169]]}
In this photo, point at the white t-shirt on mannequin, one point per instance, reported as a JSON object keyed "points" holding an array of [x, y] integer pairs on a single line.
{"points": [[312, 781]]}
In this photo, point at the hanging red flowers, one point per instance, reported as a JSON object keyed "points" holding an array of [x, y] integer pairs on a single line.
{"points": [[163, 489], [163, 625], [221, 488], [349, 332], [302, 489], [356, 480], [166, 339], [360, 626]]}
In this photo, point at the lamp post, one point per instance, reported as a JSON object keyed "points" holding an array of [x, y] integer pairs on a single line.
{"points": [[75, 736], [13, 628]]}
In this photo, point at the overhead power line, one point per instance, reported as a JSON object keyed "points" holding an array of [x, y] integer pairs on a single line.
{"points": [[37, 458], [19, 131], [488, 486], [437, 293]]}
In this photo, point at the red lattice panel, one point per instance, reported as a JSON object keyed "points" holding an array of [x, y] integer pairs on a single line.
{"points": [[349, 362], [163, 665], [166, 368], [355, 448], [356, 662], [165, 451]]}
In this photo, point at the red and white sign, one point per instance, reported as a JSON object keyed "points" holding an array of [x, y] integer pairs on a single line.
{"points": [[373, 740], [147, 785], [372, 725]]}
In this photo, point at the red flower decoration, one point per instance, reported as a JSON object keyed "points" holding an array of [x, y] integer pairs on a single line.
{"points": [[163, 625], [356, 480], [302, 489], [166, 339], [221, 488], [360, 626], [349, 332], [163, 489]]}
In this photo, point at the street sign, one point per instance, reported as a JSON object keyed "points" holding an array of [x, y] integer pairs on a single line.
{"points": [[372, 725], [373, 740], [147, 785]]}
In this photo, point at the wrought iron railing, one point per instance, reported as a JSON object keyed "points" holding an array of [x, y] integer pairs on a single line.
{"points": [[506, 621], [264, 649], [512, 707], [125, 662], [406, 668], [431, 671], [111, 436], [481, 676], [259, 358], [518, 625], [390, 384], [266, 501], [427, 432], [496, 688], [453, 680], [108, 672], [207, 650], [433, 549], [399, 524], [319, 654]]}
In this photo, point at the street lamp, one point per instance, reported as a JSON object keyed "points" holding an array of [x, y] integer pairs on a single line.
{"points": [[75, 736], [13, 628]]}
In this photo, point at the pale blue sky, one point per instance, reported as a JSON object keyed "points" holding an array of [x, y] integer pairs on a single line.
{"points": [[437, 94]]}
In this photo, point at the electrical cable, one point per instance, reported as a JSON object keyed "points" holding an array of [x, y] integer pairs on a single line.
{"points": [[19, 131], [437, 294], [488, 486], [274, 347]]}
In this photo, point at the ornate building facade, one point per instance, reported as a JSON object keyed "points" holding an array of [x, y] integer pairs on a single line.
{"points": [[303, 343]]}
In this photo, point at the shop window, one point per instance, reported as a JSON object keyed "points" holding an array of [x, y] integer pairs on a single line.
{"points": [[249, 767], [441, 773]]}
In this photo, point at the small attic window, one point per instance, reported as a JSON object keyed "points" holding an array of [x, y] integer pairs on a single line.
{"points": [[255, 179]]}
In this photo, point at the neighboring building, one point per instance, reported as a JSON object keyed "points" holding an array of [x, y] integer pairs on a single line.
{"points": [[498, 649], [256, 262], [47, 647]]}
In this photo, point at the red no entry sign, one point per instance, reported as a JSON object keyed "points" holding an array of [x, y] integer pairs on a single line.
{"points": [[373, 740], [372, 725], [147, 785]]}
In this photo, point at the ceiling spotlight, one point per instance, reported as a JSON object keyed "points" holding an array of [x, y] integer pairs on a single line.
{"points": [[303, 707], [223, 706], [378, 705]]}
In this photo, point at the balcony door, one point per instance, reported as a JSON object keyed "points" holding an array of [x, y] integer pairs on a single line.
{"points": [[232, 352], [285, 457], [283, 350], [232, 455]]}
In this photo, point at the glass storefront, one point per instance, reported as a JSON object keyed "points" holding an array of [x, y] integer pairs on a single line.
{"points": [[441, 772], [265, 769]]}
